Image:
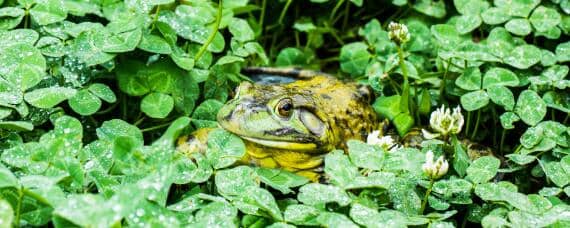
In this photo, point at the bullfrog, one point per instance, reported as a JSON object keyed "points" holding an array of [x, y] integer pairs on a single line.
{"points": [[293, 125]]}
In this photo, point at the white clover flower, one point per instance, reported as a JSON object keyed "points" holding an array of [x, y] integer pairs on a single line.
{"points": [[445, 122], [398, 33], [435, 169], [386, 142]]}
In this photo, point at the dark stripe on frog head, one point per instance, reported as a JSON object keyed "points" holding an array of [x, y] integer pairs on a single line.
{"points": [[282, 132]]}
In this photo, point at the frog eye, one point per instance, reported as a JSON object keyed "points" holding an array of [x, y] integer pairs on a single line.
{"points": [[285, 107]]}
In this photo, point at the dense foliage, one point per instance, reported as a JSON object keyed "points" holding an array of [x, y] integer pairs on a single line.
{"points": [[94, 93]]}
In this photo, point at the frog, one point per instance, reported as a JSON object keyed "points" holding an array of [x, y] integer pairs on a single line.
{"points": [[293, 125]]}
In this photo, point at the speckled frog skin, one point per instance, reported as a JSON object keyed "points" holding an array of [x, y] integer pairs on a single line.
{"points": [[293, 125]]}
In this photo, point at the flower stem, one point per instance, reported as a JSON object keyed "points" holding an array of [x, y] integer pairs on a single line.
{"points": [[468, 124], [406, 85], [428, 192], [476, 124], [212, 35]]}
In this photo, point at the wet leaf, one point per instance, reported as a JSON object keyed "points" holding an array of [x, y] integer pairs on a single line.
{"points": [[224, 148], [530, 107], [313, 194], [523, 57], [474, 100], [84, 103], [157, 105], [483, 169], [49, 97], [544, 18]]}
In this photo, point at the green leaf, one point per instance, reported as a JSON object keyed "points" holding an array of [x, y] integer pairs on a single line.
{"points": [[431, 8], [22, 64], [495, 16], [470, 7], [556, 173], [376, 180], [114, 129], [49, 97], [235, 181], [354, 58], [365, 156], [102, 91], [387, 106], [339, 168], [224, 148], [84, 103], [331, 219], [48, 12], [474, 100], [262, 200], [372, 218], [157, 105], [205, 113], [544, 18], [241, 30], [530, 107], [313, 194], [446, 35], [497, 76], [502, 96], [300, 214], [521, 159], [519, 8], [403, 123], [154, 44], [467, 23], [507, 120], [291, 57], [88, 210], [280, 179], [7, 178], [563, 52], [523, 56], [483, 169], [10, 17], [85, 48], [216, 214], [470, 79], [519, 26], [531, 137], [16, 125], [404, 198], [7, 215], [460, 159]]}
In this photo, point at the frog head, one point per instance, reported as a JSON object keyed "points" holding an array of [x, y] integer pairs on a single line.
{"points": [[278, 117]]}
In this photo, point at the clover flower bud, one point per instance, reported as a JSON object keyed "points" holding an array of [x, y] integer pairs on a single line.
{"points": [[446, 122], [435, 169], [398, 33], [385, 142]]}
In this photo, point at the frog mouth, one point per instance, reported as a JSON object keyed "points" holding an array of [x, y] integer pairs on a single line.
{"points": [[282, 144]]}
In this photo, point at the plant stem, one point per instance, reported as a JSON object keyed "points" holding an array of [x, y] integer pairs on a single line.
{"points": [[406, 82], [336, 7], [155, 18], [503, 134], [442, 86], [19, 207], [212, 35], [468, 123], [424, 202], [284, 11], [156, 127], [476, 124], [262, 14], [345, 20]]}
